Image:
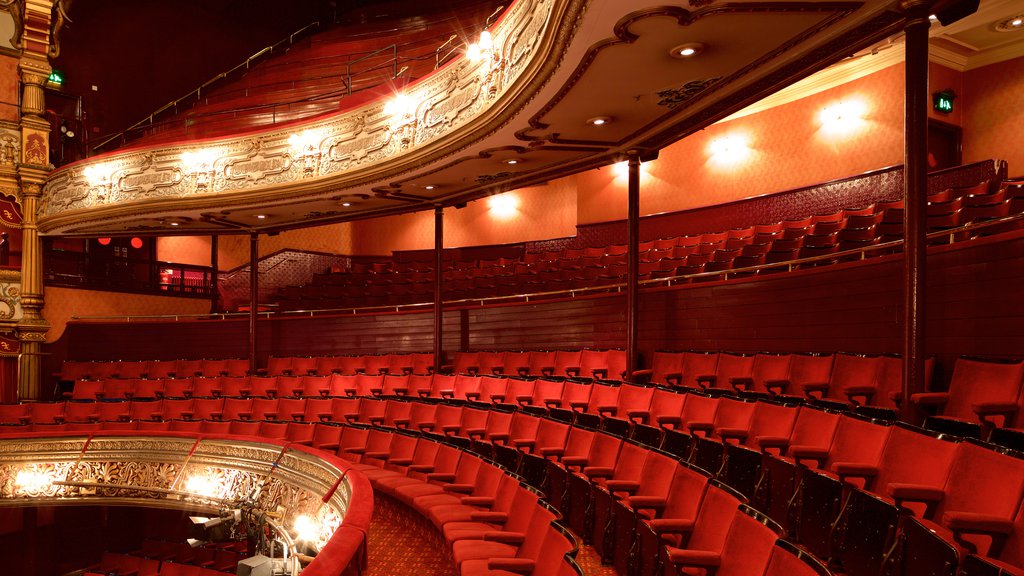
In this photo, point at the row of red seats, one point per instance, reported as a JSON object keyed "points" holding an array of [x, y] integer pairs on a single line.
{"points": [[603, 364], [984, 395], [812, 237], [169, 558], [914, 465], [493, 522]]}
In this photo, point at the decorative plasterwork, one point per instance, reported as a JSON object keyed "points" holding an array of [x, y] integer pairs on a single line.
{"points": [[151, 471], [354, 147]]}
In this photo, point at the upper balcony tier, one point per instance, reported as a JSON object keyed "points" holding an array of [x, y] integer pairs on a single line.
{"points": [[557, 86]]}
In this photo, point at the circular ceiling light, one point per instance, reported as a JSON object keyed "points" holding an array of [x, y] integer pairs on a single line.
{"points": [[512, 161], [688, 50], [174, 223], [1012, 24], [346, 204], [429, 187], [261, 216], [599, 120]]}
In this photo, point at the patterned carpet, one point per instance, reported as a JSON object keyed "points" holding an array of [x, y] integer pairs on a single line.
{"points": [[404, 543]]}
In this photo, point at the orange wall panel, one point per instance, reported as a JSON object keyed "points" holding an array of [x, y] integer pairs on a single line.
{"points": [[994, 114], [184, 250], [9, 88], [63, 303], [786, 147]]}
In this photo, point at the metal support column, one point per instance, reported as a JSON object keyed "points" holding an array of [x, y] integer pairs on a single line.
{"points": [[916, 192], [254, 296], [633, 263], [438, 276], [214, 273]]}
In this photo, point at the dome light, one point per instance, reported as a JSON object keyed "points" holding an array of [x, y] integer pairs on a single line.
{"points": [[599, 120], [688, 50]]}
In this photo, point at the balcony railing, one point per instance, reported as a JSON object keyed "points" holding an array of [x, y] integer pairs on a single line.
{"points": [[84, 270]]}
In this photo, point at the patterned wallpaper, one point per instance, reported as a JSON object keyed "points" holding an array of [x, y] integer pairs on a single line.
{"points": [[9, 87], [994, 113], [63, 303], [540, 212], [786, 148]]}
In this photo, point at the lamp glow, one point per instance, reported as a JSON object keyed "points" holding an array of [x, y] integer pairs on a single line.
{"points": [[729, 150], [503, 205], [306, 528], [32, 481], [304, 142], [401, 105], [201, 486], [486, 42], [198, 161], [97, 174], [842, 118]]}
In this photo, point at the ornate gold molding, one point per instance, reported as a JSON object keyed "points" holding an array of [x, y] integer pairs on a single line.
{"points": [[159, 470], [355, 147]]}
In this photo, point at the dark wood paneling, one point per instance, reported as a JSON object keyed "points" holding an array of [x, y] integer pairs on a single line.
{"points": [[974, 308]]}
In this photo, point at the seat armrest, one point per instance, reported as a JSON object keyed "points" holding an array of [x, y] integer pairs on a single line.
{"points": [[427, 426], [732, 433], [422, 468], [517, 565], [481, 501], [459, 488], [649, 502], [600, 373], [575, 460], [974, 523], [672, 525], [766, 442], [400, 461], [546, 451], [698, 558], [598, 471], [803, 452], [707, 380], [741, 383], [441, 476], [497, 398], [640, 415], [505, 537], [815, 387], [573, 371], [854, 470], [327, 446], [547, 370], [904, 492], [930, 398], [674, 379], [581, 406], [489, 517], [524, 442], [627, 486], [673, 420], [701, 426], [607, 410], [995, 408], [776, 386]]}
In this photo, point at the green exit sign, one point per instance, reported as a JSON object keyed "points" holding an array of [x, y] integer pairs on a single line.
{"points": [[56, 77], [943, 101]]}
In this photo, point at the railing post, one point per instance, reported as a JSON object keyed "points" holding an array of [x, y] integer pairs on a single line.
{"points": [[632, 262], [254, 296], [915, 182], [214, 284], [438, 286]]}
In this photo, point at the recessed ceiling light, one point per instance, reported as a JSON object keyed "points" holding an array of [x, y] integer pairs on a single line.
{"points": [[511, 161], [933, 17], [1012, 24], [429, 187], [346, 204], [688, 50], [174, 223], [599, 120], [261, 216]]}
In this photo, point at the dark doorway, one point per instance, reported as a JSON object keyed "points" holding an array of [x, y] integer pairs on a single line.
{"points": [[944, 145]]}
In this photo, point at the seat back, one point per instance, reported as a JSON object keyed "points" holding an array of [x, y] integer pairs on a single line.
{"points": [[697, 364], [980, 382], [768, 368]]}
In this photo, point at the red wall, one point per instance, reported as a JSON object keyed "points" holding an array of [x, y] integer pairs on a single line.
{"points": [[994, 113]]}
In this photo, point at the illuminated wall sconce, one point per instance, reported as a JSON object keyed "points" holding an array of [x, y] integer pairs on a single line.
{"points": [[306, 146], [504, 206], [32, 481], [843, 118], [404, 111], [729, 150], [99, 176], [199, 164], [202, 485]]}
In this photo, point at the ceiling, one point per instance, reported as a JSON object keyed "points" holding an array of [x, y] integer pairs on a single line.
{"points": [[617, 65]]}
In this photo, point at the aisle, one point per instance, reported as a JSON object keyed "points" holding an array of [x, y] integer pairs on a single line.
{"points": [[403, 543]]}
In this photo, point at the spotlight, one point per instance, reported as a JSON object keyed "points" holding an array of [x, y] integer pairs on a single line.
{"points": [[599, 120], [261, 216], [688, 50]]}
